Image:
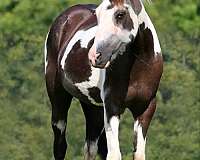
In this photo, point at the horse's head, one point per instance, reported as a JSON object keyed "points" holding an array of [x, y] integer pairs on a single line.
{"points": [[117, 26]]}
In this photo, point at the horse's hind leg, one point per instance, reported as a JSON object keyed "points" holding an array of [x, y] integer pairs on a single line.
{"points": [[141, 126], [102, 145], [60, 106], [95, 134], [60, 101]]}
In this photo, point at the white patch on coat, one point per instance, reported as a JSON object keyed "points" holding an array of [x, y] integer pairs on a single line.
{"points": [[143, 17], [61, 124], [94, 81], [141, 142], [112, 133], [45, 54], [90, 150], [84, 36]]}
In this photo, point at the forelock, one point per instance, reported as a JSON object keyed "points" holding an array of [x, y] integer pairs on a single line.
{"points": [[117, 2]]}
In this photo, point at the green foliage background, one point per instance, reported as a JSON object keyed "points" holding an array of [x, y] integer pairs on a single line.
{"points": [[25, 131]]}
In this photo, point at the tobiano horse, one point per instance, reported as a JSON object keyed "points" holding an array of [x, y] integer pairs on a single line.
{"points": [[109, 58]]}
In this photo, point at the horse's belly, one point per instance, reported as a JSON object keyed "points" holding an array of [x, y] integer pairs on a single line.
{"points": [[87, 90]]}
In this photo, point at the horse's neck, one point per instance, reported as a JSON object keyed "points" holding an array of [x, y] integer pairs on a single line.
{"points": [[145, 19], [145, 46]]}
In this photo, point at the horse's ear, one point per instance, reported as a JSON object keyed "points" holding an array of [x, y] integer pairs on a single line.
{"points": [[137, 6]]}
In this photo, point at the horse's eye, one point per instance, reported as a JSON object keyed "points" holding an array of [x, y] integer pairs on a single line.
{"points": [[119, 15]]}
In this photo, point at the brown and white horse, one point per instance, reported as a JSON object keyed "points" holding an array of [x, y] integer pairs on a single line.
{"points": [[109, 58]]}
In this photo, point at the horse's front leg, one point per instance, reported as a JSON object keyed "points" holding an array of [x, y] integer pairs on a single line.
{"points": [[141, 126], [111, 121], [111, 128]]}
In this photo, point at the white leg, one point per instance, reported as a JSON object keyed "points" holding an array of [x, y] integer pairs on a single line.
{"points": [[90, 150], [141, 141], [111, 129]]}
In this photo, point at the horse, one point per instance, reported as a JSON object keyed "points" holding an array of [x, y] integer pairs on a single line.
{"points": [[109, 58]]}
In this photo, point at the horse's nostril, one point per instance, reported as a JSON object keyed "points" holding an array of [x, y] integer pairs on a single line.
{"points": [[98, 59], [98, 56]]}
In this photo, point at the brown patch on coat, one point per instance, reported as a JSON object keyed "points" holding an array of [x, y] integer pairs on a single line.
{"points": [[64, 28], [145, 73], [126, 21], [94, 92], [77, 64]]}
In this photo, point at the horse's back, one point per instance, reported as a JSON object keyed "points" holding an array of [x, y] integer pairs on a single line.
{"points": [[66, 25]]}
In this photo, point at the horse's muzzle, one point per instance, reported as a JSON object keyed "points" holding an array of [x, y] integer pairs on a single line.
{"points": [[100, 56], [100, 61]]}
